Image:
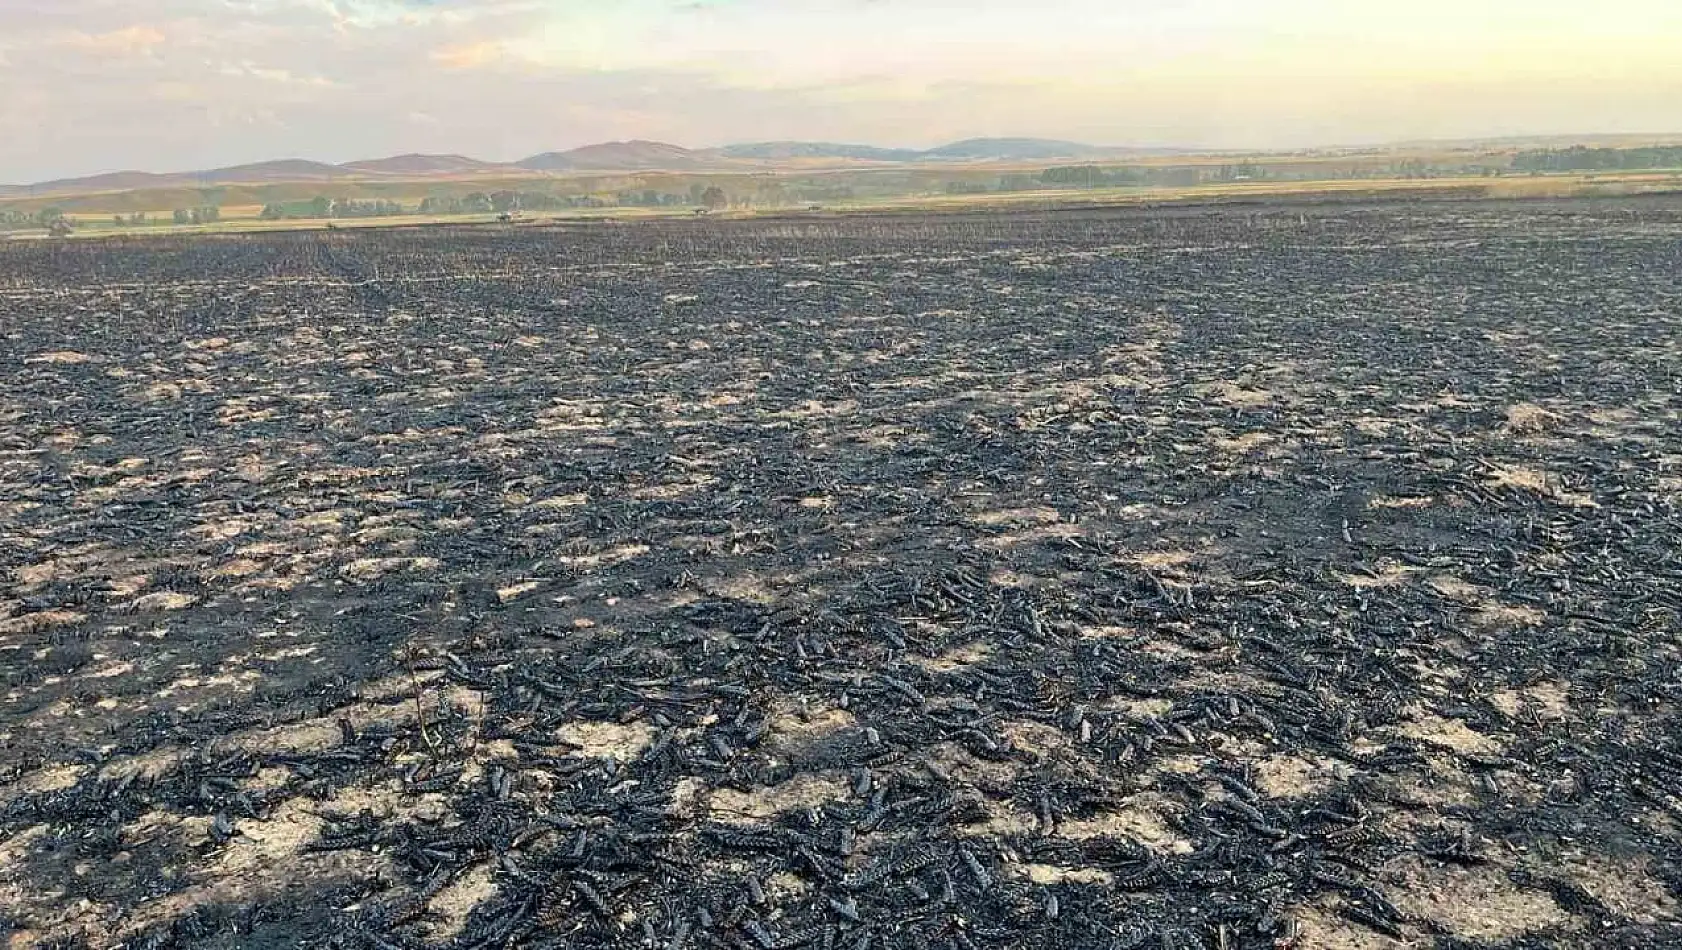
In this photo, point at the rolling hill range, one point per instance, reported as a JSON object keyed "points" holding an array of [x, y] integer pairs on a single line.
{"points": [[642, 157], [427, 165], [607, 157], [625, 156], [798, 151], [286, 170]]}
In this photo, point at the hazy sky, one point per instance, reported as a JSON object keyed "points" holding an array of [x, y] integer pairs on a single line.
{"points": [[161, 85]]}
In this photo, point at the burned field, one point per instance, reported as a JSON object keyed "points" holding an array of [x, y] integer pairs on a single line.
{"points": [[1130, 579]]}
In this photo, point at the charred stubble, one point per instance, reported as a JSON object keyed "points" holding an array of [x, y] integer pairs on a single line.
{"points": [[1238, 578]]}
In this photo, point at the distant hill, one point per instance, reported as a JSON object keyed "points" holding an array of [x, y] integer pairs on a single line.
{"points": [[969, 150], [1600, 140], [792, 151], [1012, 150], [285, 171], [114, 181], [423, 165], [621, 156], [288, 169]]}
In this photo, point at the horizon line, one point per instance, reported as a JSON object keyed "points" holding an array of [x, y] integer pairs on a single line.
{"points": [[1187, 151]]}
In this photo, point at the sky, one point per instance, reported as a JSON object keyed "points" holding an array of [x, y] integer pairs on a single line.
{"points": [[88, 86]]}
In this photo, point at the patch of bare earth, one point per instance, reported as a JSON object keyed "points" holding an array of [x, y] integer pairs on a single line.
{"points": [[792, 725], [1628, 887], [1145, 818], [1388, 575], [373, 568], [455, 904], [51, 779], [1239, 396], [1506, 616], [1449, 733], [40, 620], [1403, 502], [60, 358], [19, 896], [954, 659], [1526, 478], [1549, 701], [1017, 516], [1248, 442], [607, 740], [266, 859], [1527, 418], [1288, 776], [1479, 903], [766, 803], [1486, 611], [165, 600], [1053, 874], [1320, 928]]}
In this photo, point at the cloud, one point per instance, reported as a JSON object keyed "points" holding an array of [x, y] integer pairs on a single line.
{"points": [[388, 14], [277, 75], [99, 87], [128, 41], [471, 55], [172, 91]]}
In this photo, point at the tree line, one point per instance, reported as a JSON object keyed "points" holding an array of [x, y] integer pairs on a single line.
{"points": [[45, 218], [206, 215], [1582, 158], [506, 201], [322, 206], [494, 202], [1182, 176]]}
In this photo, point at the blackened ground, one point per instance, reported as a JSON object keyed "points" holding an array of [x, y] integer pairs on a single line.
{"points": [[1240, 578]]}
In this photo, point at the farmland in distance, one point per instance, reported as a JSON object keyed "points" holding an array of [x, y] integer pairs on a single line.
{"points": [[1247, 577]]}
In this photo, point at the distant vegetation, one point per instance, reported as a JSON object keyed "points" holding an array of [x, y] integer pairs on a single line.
{"points": [[322, 206], [494, 202], [196, 215], [785, 187], [479, 202], [1205, 173], [1598, 159], [11, 220]]}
